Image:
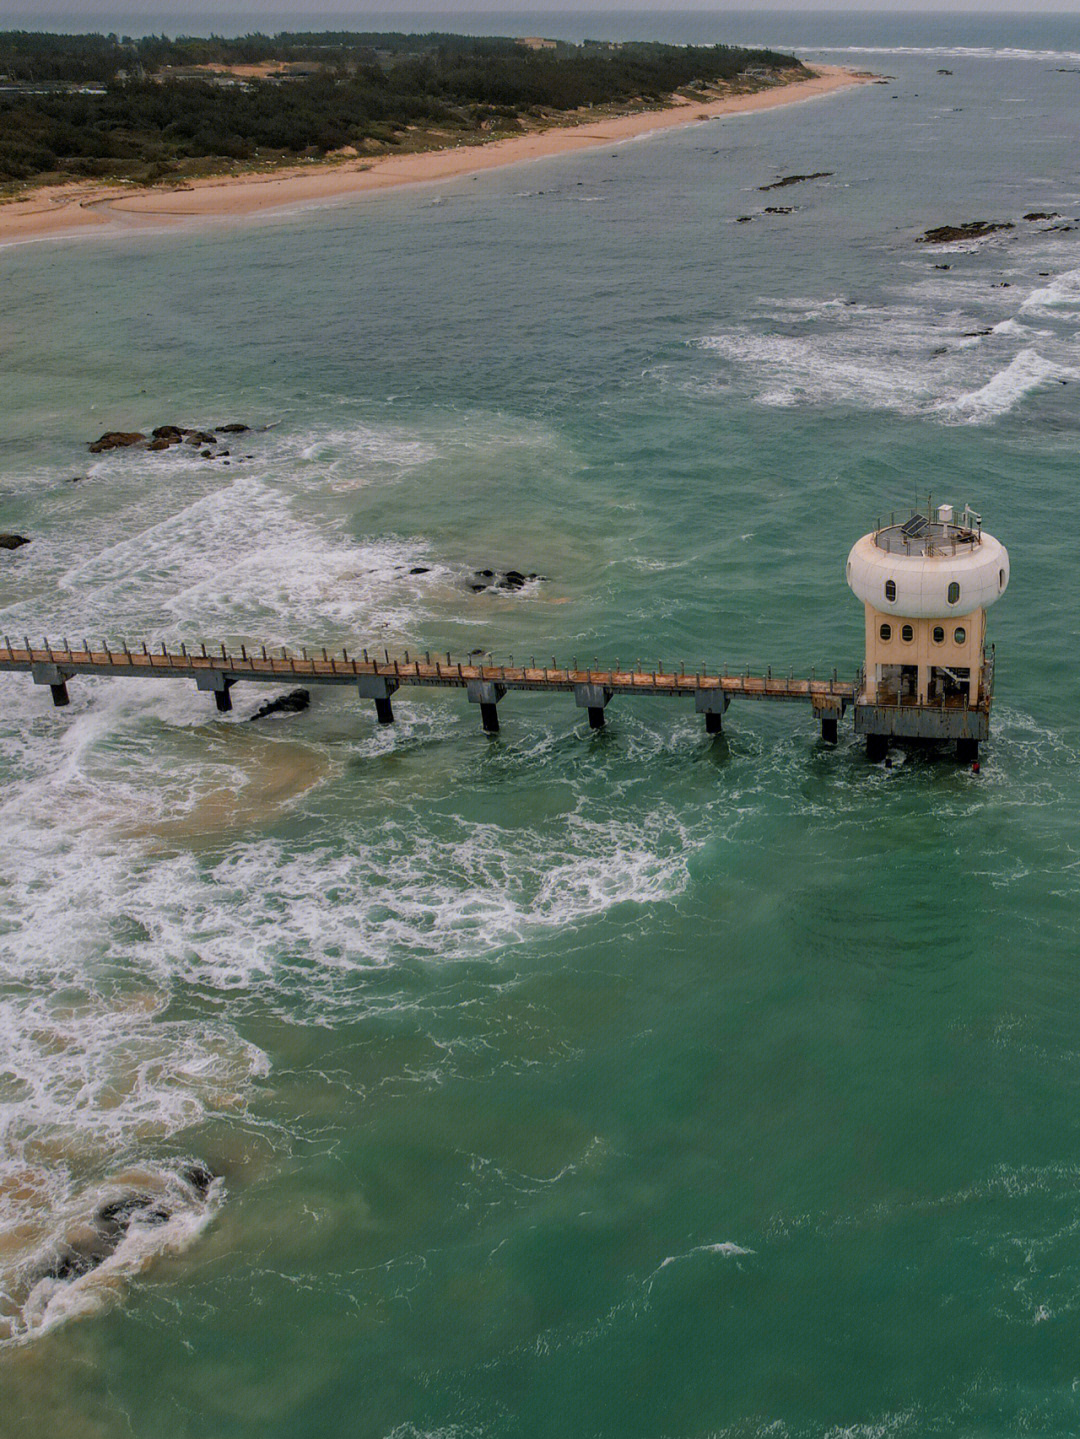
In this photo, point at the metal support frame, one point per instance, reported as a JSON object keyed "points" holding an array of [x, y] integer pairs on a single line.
{"points": [[217, 683], [56, 679], [593, 698], [379, 689], [486, 694], [712, 704]]}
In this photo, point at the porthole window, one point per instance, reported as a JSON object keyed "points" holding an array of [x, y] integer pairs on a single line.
{"points": [[939, 635], [907, 634], [959, 635], [890, 590], [1001, 579], [886, 633], [954, 593]]}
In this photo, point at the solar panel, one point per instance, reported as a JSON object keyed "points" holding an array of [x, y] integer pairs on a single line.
{"points": [[914, 526]]}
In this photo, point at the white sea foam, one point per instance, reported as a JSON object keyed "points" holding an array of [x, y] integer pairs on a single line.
{"points": [[1026, 372]]}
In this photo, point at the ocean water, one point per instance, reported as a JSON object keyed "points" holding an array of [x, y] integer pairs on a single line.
{"points": [[556, 1084]]}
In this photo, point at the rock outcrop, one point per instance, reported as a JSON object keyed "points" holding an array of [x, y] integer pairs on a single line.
{"points": [[12, 542], [293, 703], [797, 179], [970, 230], [116, 440]]}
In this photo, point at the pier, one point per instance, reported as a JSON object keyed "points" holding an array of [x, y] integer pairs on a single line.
{"points": [[217, 670]]}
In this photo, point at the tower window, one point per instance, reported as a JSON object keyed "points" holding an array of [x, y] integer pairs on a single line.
{"points": [[954, 593], [890, 590], [1001, 579], [959, 635], [907, 634], [886, 633], [939, 635]]}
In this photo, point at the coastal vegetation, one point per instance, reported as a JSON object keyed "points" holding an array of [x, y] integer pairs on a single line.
{"points": [[157, 109]]}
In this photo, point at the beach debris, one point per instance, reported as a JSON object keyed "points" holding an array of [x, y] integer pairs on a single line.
{"points": [[969, 230], [116, 440], [293, 703], [797, 179], [12, 542]]}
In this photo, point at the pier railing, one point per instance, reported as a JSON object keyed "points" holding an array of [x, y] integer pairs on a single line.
{"points": [[377, 675]]}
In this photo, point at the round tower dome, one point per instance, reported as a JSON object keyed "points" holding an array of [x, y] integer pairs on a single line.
{"points": [[927, 568]]}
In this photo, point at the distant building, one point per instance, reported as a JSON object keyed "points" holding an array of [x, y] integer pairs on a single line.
{"points": [[535, 42]]}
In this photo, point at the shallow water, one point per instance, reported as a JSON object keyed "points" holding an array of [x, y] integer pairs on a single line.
{"points": [[560, 1084]]}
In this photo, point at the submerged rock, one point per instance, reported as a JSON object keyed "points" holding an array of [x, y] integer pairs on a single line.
{"points": [[12, 542], [969, 230], [292, 703], [116, 440], [797, 179], [233, 429], [779, 209], [1042, 215]]}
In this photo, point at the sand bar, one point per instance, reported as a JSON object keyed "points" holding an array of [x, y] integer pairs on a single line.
{"points": [[96, 208]]}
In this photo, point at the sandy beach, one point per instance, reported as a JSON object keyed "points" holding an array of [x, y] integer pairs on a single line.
{"points": [[84, 208]]}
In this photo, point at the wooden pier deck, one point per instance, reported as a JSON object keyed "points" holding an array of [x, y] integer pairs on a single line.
{"points": [[218, 669]]}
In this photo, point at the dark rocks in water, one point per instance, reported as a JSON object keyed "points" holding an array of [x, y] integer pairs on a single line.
{"points": [[1001, 285], [779, 209], [76, 479], [199, 437], [70, 1264], [744, 219], [161, 444], [973, 334], [116, 440], [944, 72], [1042, 215], [796, 180], [233, 429], [292, 703], [115, 1218], [200, 1176], [969, 230], [474, 653], [512, 580], [477, 589], [1065, 228], [206, 454], [173, 433], [942, 267], [420, 570], [12, 542], [485, 574], [941, 350]]}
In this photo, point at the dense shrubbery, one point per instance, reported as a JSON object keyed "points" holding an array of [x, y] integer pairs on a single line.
{"points": [[359, 89]]}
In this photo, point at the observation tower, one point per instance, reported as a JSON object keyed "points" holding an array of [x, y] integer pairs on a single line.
{"points": [[926, 583]]}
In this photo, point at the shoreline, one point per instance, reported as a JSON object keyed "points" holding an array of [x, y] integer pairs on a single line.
{"points": [[96, 209]]}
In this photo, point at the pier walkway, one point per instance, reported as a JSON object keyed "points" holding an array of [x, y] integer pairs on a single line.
{"points": [[377, 679]]}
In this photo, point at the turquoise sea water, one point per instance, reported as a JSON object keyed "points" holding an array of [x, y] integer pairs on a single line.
{"points": [[559, 1084]]}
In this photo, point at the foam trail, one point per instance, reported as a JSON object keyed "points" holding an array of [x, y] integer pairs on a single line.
{"points": [[1027, 372]]}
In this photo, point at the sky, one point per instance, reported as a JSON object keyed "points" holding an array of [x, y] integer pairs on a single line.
{"points": [[102, 11]]}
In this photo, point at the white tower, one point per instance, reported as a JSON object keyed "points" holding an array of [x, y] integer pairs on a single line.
{"points": [[926, 584]]}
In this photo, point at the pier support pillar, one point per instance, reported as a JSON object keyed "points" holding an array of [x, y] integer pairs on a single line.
{"points": [[486, 694], [967, 751], [593, 698], [379, 689], [829, 728], [712, 704], [877, 747], [218, 684], [55, 678]]}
